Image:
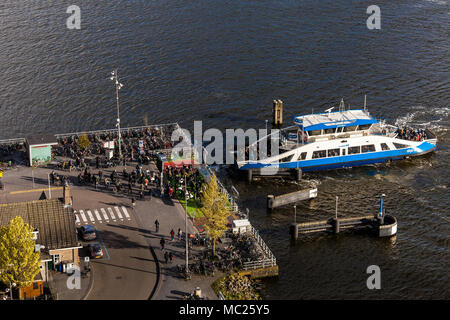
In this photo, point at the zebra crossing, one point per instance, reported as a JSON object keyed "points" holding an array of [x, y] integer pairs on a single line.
{"points": [[92, 216]]}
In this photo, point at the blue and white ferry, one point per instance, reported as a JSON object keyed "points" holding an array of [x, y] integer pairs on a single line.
{"points": [[340, 139]]}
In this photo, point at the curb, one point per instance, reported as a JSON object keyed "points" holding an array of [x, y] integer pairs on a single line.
{"points": [[91, 284], [158, 275]]}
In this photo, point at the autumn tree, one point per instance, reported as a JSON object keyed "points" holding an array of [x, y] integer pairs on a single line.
{"points": [[216, 210], [83, 142], [19, 263]]}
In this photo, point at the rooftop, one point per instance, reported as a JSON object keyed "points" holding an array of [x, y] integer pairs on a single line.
{"points": [[334, 119], [39, 139], [56, 224]]}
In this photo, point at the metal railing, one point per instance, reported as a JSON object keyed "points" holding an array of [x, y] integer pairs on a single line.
{"points": [[11, 141], [259, 264], [161, 126], [262, 244]]}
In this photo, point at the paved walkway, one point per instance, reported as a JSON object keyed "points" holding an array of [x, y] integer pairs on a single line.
{"points": [[131, 272], [170, 214]]}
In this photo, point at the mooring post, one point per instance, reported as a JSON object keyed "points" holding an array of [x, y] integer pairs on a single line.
{"points": [[336, 225], [270, 199], [249, 175], [294, 231], [298, 174]]}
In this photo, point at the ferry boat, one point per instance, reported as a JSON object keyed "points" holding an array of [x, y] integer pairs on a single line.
{"points": [[340, 139]]}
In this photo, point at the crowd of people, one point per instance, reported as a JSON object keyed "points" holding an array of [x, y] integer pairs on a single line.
{"points": [[151, 139], [174, 181], [411, 134]]}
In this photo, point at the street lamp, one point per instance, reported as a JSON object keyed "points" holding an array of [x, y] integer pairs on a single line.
{"points": [[295, 213], [115, 78], [186, 230], [49, 189]]}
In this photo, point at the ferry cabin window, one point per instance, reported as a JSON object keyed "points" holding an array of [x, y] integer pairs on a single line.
{"points": [[368, 148], [334, 152], [319, 154], [384, 146], [351, 128], [400, 146], [302, 156], [354, 150], [364, 126], [329, 131], [314, 132]]}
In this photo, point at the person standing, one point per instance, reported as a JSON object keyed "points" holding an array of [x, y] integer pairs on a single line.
{"points": [[157, 225], [172, 234], [162, 242], [180, 233], [170, 257]]}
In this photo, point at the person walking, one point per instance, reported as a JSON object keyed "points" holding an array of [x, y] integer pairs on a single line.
{"points": [[180, 233], [170, 257], [172, 235], [157, 225], [162, 242], [166, 256]]}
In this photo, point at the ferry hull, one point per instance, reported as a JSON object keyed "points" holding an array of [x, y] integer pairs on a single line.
{"points": [[347, 161]]}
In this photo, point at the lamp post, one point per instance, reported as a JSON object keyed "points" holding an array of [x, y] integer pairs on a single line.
{"points": [[49, 189], [336, 205], [186, 230], [115, 78], [295, 213]]}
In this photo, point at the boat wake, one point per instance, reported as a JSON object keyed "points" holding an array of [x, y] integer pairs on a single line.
{"points": [[435, 119]]}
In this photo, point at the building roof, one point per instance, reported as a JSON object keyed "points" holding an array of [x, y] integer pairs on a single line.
{"points": [[56, 224], [334, 119], [40, 139]]}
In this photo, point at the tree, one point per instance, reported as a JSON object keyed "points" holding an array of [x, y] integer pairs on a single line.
{"points": [[216, 210], [83, 142], [19, 263]]}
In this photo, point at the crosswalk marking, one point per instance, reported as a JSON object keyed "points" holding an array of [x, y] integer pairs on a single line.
{"points": [[90, 216], [126, 213], [104, 214], [97, 215], [111, 214], [118, 213], [83, 216], [100, 215]]}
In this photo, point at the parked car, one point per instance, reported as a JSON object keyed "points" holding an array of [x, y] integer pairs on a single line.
{"points": [[88, 232], [95, 251]]}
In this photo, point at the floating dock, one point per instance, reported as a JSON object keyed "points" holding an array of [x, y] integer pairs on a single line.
{"points": [[384, 226], [293, 197]]}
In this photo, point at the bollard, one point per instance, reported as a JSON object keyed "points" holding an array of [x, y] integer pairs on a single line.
{"points": [[294, 231], [270, 199], [298, 174], [249, 175], [336, 225]]}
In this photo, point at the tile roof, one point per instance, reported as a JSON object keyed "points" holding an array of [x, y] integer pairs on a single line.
{"points": [[56, 224]]}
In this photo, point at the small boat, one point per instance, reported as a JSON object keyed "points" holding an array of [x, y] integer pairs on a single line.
{"points": [[339, 139]]}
